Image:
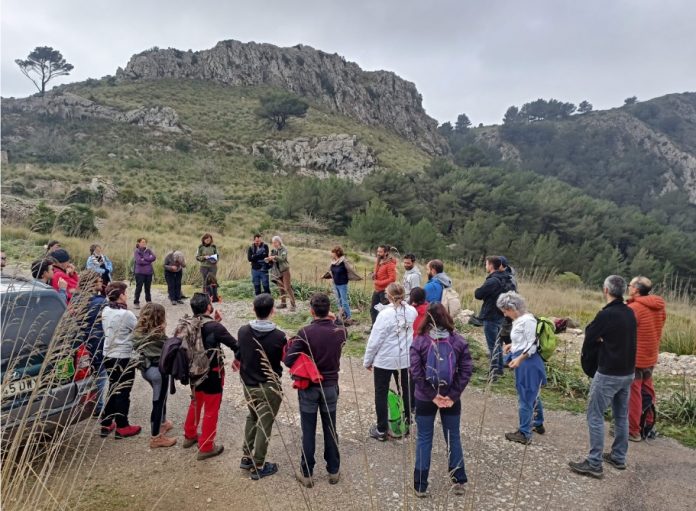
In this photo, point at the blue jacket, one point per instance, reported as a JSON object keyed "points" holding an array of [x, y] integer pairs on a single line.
{"points": [[93, 331], [433, 289], [94, 265]]}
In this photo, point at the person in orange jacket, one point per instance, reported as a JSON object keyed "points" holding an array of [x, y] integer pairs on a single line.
{"points": [[650, 317], [383, 275]]}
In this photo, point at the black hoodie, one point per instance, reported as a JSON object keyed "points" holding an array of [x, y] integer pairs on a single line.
{"points": [[257, 350], [496, 283]]}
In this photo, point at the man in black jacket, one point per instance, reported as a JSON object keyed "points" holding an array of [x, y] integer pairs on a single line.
{"points": [[497, 282], [260, 352], [322, 341], [608, 357], [256, 254]]}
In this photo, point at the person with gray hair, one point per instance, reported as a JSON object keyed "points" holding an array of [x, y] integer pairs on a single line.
{"points": [[174, 264], [530, 372], [280, 272], [609, 358]]}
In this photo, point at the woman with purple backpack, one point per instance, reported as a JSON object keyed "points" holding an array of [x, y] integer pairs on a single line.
{"points": [[441, 367]]}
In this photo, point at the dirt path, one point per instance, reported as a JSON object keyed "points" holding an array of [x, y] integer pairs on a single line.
{"points": [[504, 476]]}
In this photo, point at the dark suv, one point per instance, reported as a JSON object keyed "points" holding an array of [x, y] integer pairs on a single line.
{"points": [[45, 375]]}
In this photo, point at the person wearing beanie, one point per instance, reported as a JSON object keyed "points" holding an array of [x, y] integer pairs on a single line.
{"points": [[65, 270]]}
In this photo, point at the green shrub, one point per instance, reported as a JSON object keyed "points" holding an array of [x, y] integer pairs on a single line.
{"points": [[679, 408], [183, 145], [568, 279], [42, 219], [77, 220], [263, 165]]}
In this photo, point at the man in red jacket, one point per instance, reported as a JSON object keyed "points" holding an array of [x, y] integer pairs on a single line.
{"points": [[384, 274], [650, 318]]}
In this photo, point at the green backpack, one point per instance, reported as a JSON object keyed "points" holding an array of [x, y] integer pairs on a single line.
{"points": [[397, 421], [546, 338]]}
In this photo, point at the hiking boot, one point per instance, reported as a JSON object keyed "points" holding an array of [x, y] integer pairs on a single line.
{"points": [[189, 442], [421, 494], [174, 302], [305, 481], [540, 429], [518, 437], [246, 463], [377, 434], [334, 478], [584, 467], [215, 451], [166, 427], [161, 441], [268, 469], [106, 430], [459, 488], [127, 431], [348, 322], [635, 438], [608, 459]]}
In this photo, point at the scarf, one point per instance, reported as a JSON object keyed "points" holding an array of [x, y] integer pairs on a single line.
{"points": [[118, 305]]}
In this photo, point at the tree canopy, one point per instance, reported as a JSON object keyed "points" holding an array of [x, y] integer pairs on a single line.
{"points": [[278, 107], [42, 65]]}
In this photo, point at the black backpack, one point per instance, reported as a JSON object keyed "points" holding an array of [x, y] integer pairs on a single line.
{"points": [[174, 362], [647, 417]]}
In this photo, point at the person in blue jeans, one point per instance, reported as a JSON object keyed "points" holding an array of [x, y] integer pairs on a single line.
{"points": [[608, 357], [256, 255], [443, 397], [530, 372], [341, 273]]}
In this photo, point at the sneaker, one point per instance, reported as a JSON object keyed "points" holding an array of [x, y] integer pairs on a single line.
{"points": [[127, 431], [518, 437], [183, 298], [174, 302], [161, 441], [215, 451], [190, 442], [305, 481], [377, 434], [246, 463], [166, 427], [106, 430], [635, 438], [421, 494], [136, 305], [459, 488], [584, 467], [334, 478], [608, 459], [539, 429], [268, 469]]}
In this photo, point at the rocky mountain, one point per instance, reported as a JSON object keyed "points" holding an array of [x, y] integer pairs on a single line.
{"points": [[372, 97]]}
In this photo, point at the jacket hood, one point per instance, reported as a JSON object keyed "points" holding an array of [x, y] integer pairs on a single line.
{"points": [[501, 275], [653, 302], [443, 279], [262, 325], [439, 333]]}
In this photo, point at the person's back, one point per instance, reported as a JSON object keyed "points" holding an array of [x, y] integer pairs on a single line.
{"points": [[214, 335], [651, 314], [261, 344], [323, 341], [118, 325], [435, 287], [391, 337], [616, 326], [496, 283]]}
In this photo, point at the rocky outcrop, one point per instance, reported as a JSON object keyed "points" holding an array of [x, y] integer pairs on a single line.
{"points": [[67, 105], [371, 97], [334, 155]]}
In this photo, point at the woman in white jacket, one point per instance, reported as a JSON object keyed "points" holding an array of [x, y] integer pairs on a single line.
{"points": [[387, 355]]}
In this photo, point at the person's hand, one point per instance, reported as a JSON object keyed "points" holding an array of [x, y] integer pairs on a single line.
{"points": [[217, 316], [515, 362], [70, 268], [62, 284], [507, 348], [369, 368]]}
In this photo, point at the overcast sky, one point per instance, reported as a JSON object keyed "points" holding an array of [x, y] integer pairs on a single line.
{"points": [[473, 56]]}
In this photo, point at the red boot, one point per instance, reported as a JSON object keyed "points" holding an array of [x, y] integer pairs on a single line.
{"points": [[127, 431]]}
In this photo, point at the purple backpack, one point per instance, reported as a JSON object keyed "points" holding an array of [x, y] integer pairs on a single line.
{"points": [[440, 363]]}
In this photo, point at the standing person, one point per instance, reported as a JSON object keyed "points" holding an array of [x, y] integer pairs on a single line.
{"points": [[118, 323], [497, 282], [257, 254], [211, 288], [148, 341], [261, 344], [99, 262], [3, 261], [505, 266], [208, 256], [52, 246], [323, 343], [42, 271], [441, 396], [280, 272], [530, 372], [383, 275], [387, 355], [174, 264], [341, 272], [144, 257], [438, 280], [412, 274], [417, 300], [92, 332], [609, 358], [63, 269], [650, 315], [207, 397]]}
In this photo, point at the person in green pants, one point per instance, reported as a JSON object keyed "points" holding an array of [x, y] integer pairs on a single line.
{"points": [[207, 255]]}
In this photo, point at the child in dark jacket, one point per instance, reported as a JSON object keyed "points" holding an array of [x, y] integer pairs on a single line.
{"points": [[211, 287]]}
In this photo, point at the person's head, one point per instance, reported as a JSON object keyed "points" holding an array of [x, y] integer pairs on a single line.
{"points": [[141, 243], [493, 263], [3, 259], [409, 261], [90, 282], [263, 306], [639, 286], [337, 252], [152, 319], [512, 305], [277, 241], [178, 256], [200, 304], [320, 305], [614, 287], [210, 280], [503, 262], [42, 269], [60, 257], [258, 239], [116, 292], [395, 293], [95, 250], [207, 239], [435, 266], [52, 245], [417, 296], [436, 317]]}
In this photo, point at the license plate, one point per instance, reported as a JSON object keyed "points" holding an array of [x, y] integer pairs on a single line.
{"points": [[14, 388]]}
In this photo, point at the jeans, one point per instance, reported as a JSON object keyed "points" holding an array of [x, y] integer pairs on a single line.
{"points": [[263, 402], [382, 379], [260, 280], [635, 402], [140, 281], [425, 420], [121, 373], [377, 297], [531, 415], [173, 279], [608, 390], [491, 328], [159, 383], [324, 401], [341, 291]]}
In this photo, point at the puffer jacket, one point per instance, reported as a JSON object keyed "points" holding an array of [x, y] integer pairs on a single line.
{"points": [[118, 325], [385, 273], [651, 315], [435, 286], [144, 257], [391, 337]]}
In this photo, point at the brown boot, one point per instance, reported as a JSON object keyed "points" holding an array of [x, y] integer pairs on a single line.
{"points": [[161, 441], [166, 426]]}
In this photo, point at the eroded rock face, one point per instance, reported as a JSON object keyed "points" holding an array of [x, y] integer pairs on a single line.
{"points": [[372, 97], [333, 155]]}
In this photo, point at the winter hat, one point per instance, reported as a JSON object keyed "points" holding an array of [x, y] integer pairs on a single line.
{"points": [[61, 255]]}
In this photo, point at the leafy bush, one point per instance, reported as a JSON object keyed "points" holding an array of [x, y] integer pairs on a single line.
{"points": [[263, 165], [569, 279], [43, 219], [77, 220], [679, 408], [183, 145]]}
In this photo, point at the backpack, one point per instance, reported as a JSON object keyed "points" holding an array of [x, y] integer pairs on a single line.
{"points": [[397, 422], [450, 299], [440, 363], [184, 356], [173, 362], [546, 338], [647, 416]]}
